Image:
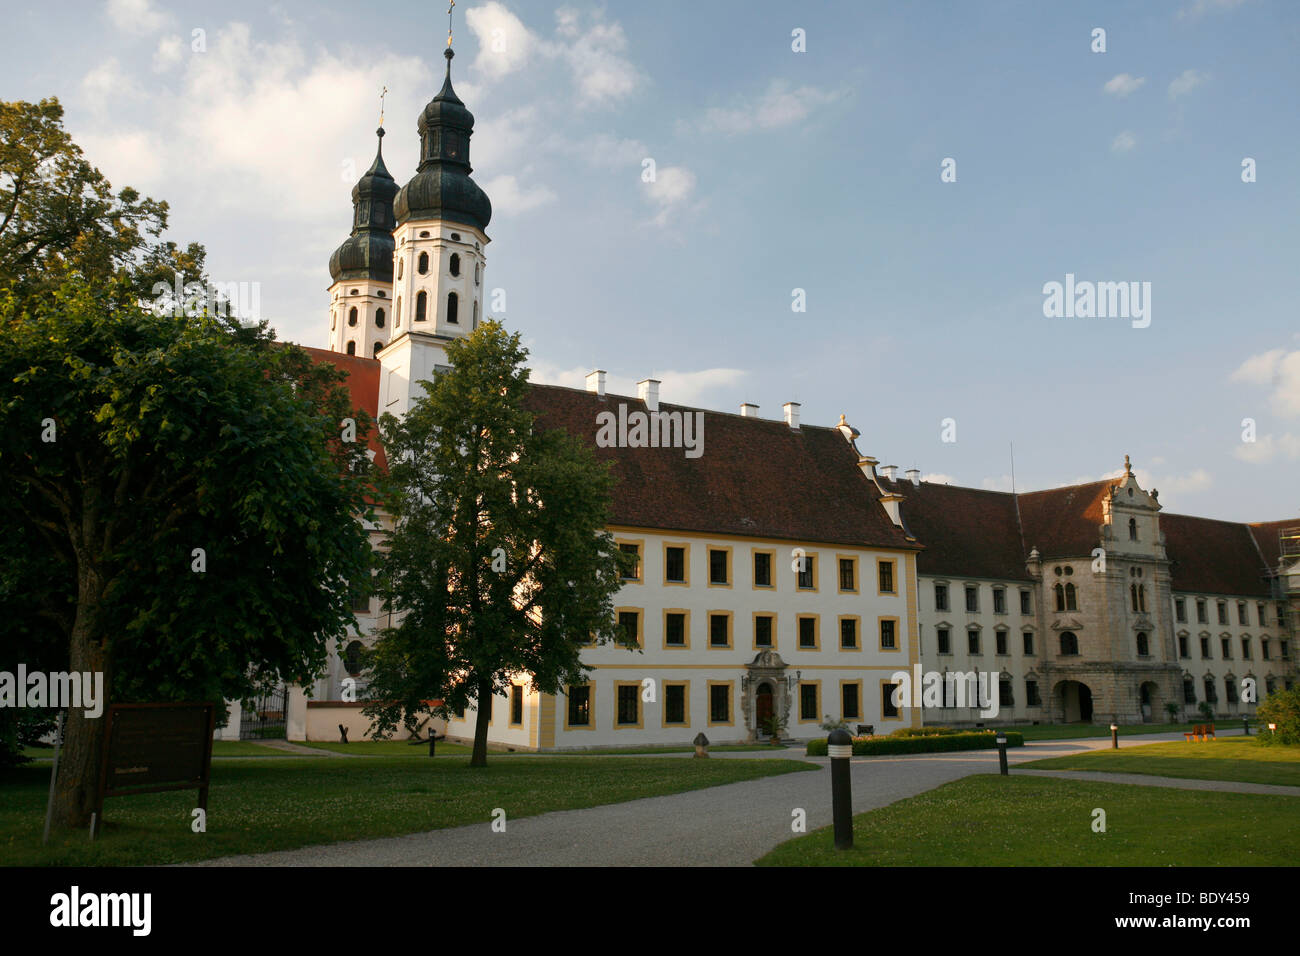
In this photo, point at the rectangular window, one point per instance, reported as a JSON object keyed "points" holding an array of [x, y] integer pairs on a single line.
{"points": [[719, 630], [808, 573], [1001, 640], [1226, 644], [1230, 690], [629, 622], [850, 706], [1205, 649], [633, 551], [849, 633], [1284, 650], [999, 601], [1200, 611], [808, 702], [943, 639], [675, 629], [973, 641], [629, 696], [719, 703], [516, 704], [763, 630], [1029, 642], [1180, 610], [675, 565], [1183, 649], [1031, 694], [1263, 648], [580, 706], [1025, 606], [885, 571], [888, 637], [1261, 611], [1243, 615], [1189, 691], [941, 597], [762, 569], [1211, 695], [719, 566], [808, 632], [1004, 694], [972, 598], [675, 703], [1245, 648], [361, 599], [887, 706], [1223, 612], [848, 574]]}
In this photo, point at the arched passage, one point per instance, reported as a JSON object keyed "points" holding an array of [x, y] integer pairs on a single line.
{"points": [[1075, 701]]}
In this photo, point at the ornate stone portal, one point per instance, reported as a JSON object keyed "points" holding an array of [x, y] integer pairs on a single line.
{"points": [[764, 686]]}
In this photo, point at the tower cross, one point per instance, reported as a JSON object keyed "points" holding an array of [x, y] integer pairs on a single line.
{"points": [[382, 94], [449, 9]]}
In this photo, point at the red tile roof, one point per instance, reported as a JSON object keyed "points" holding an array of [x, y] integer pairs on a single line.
{"points": [[362, 384], [756, 477], [1265, 534], [1063, 522], [1213, 557], [967, 532]]}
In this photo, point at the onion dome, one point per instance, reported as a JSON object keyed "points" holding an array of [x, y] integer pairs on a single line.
{"points": [[441, 187], [368, 252]]}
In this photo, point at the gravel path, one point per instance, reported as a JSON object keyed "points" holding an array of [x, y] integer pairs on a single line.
{"points": [[730, 825]]}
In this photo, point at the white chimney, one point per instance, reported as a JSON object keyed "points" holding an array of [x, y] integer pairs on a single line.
{"points": [[596, 382], [792, 414], [648, 391], [748, 411], [889, 471], [914, 476]]}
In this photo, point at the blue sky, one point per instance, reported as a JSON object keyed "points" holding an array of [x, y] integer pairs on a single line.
{"points": [[779, 170]]}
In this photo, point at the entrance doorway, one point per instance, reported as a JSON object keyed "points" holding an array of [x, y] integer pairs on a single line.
{"points": [[1149, 692], [1076, 701], [763, 707]]}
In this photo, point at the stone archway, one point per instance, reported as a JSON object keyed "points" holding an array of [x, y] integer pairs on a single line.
{"points": [[1074, 700], [1151, 702], [766, 670]]}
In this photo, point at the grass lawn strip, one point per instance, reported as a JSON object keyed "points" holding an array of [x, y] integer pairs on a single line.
{"points": [[280, 804], [1081, 731], [1238, 759], [988, 820]]}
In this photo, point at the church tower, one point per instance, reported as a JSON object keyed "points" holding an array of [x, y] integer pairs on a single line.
{"points": [[438, 261], [361, 294]]}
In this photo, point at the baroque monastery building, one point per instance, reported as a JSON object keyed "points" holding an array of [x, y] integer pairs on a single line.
{"points": [[784, 572]]}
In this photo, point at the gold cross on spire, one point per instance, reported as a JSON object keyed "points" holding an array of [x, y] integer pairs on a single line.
{"points": [[449, 9], [382, 94]]}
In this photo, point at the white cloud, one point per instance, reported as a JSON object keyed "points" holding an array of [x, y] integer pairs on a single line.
{"points": [[672, 186], [508, 197], [504, 43], [596, 59], [676, 388], [606, 151], [170, 52], [136, 16], [1000, 483], [1123, 84], [778, 106], [1185, 82], [937, 478], [107, 81], [1279, 370], [1124, 142], [1166, 483], [1265, 448]]}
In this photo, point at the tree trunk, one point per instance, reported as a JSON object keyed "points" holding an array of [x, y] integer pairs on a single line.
{"points": [[83, 738], [479, 756]]}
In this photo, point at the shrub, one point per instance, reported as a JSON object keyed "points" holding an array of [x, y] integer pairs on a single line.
{"points": [[1282, 707], [934, 743], [926, 731]]}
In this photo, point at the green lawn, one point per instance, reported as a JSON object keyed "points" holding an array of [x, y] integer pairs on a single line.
{"points": [[990, 820], [401, 748], [1078, 731], [261, 805], [1242, 759], [220, 748]]}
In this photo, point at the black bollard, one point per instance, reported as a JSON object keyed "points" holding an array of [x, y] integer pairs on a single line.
{"points": [[1114, 737], [432, 740], [1245, 726], [839, 747], [1002, 752]]}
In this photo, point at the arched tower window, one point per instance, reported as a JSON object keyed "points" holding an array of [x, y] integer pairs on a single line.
{"points": [[1070, 603], [397, 316], [423, 266], [352, 348], [454, 265], [399, 267], [334, 319], [379, 318], [1069, 644], [378, 346], [421, 306], [475, 325], [1132, 529], [352, 316], [478, 266], [1144, 647], [1142, 597], [1133, 595], [1060, 597], [453, 302]]}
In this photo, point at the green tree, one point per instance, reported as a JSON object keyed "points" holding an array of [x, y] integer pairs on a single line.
{"points": [[180, 511], [498, 563], [1281, 707]]}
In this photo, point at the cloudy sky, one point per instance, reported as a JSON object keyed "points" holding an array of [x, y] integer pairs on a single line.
{"points": [[776, 170]]}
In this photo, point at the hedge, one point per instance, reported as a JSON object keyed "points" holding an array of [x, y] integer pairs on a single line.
{"points": [[938, 743]]}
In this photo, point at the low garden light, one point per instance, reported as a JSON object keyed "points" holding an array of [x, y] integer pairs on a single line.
{"points": [[1114, 736], [701, 745], [1002, 752]]}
